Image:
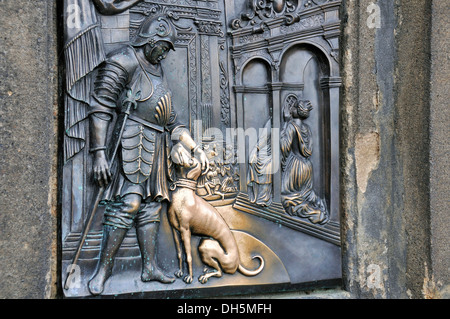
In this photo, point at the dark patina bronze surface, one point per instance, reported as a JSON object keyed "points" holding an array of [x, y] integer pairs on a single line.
{"points": [[201, 146]]}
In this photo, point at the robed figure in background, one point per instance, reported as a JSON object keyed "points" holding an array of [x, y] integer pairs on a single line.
{"points": [[259, 174]]}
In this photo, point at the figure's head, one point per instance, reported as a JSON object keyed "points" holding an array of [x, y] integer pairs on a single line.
{"points": [[290, 105], [303, 109], [296, 108], [157, 52], [157, 36]]}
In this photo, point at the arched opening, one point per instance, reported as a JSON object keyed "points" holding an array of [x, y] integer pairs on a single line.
{"points": [[257, 101], [302, 69]]}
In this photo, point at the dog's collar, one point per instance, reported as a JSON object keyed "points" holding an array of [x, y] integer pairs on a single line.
{"points": [[184, 183]]}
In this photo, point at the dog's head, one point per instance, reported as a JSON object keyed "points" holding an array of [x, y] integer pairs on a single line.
{"points": [[187, 166]]}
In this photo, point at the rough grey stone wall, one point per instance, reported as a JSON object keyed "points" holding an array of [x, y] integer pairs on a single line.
{"points": [[388, 177], [28, 144], [440, 148]]}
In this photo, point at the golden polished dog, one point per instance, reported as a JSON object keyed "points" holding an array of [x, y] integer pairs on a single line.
{"points": [[190, 214]]}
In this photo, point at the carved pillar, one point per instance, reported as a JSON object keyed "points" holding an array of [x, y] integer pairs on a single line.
{"points": [[242, 152], [211, 70], [215, 80], [206, 92], [276, 127], [331, 88]]}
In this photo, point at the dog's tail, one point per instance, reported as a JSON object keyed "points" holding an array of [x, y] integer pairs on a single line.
{"points": [[248, 272]]}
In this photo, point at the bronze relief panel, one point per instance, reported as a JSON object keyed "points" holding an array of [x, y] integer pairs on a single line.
{"points": [[201, 146]]}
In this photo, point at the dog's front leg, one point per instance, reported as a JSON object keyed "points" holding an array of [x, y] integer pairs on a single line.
{"points": [[179, 272], [186, 237]]}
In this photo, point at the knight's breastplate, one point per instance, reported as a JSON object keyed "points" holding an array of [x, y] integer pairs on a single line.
{"points": [[146, 121], [155, 105]]}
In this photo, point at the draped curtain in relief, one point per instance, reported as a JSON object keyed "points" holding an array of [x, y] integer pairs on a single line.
{"points": [[83, 51]]}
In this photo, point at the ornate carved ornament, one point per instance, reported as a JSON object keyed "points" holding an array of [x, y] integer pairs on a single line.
{"points": [[266, 13], [264, 10], [209, 27], [178, 9], [272, 25], [207, 20]]}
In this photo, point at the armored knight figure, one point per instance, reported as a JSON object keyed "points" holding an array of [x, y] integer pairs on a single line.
{"points": [[137, 190]]}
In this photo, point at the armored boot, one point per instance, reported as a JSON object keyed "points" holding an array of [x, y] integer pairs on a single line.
{"points": [[112, 239], [147, 237]]}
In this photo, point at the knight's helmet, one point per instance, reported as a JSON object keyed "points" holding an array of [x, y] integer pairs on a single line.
{"points": [[154, 29]]}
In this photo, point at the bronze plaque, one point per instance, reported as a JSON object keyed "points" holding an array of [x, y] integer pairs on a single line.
{"points": [[201, 147]]}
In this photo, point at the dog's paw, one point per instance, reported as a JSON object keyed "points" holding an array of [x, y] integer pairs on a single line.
{"points": [[187, 279], [179, 273], [203, 279]]}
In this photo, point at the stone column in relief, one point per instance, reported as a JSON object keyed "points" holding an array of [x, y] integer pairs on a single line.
{"points": [[332, 86], [242, 153], [276, 126]]}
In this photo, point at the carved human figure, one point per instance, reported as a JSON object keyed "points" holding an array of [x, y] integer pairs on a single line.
{"points": [[136, 192], [221, 177], [259, 174], [231, 177], [227, 171], [297, 193]]}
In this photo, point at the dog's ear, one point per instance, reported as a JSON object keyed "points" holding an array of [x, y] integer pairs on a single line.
{"points": [[194, 173], [181, 156]]}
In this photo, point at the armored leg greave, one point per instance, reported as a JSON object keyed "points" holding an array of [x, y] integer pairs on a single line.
{"points": [[147, 237], [112, 239]]}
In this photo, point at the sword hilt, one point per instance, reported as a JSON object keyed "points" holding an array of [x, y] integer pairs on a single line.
{"points": [[131, 100]]}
